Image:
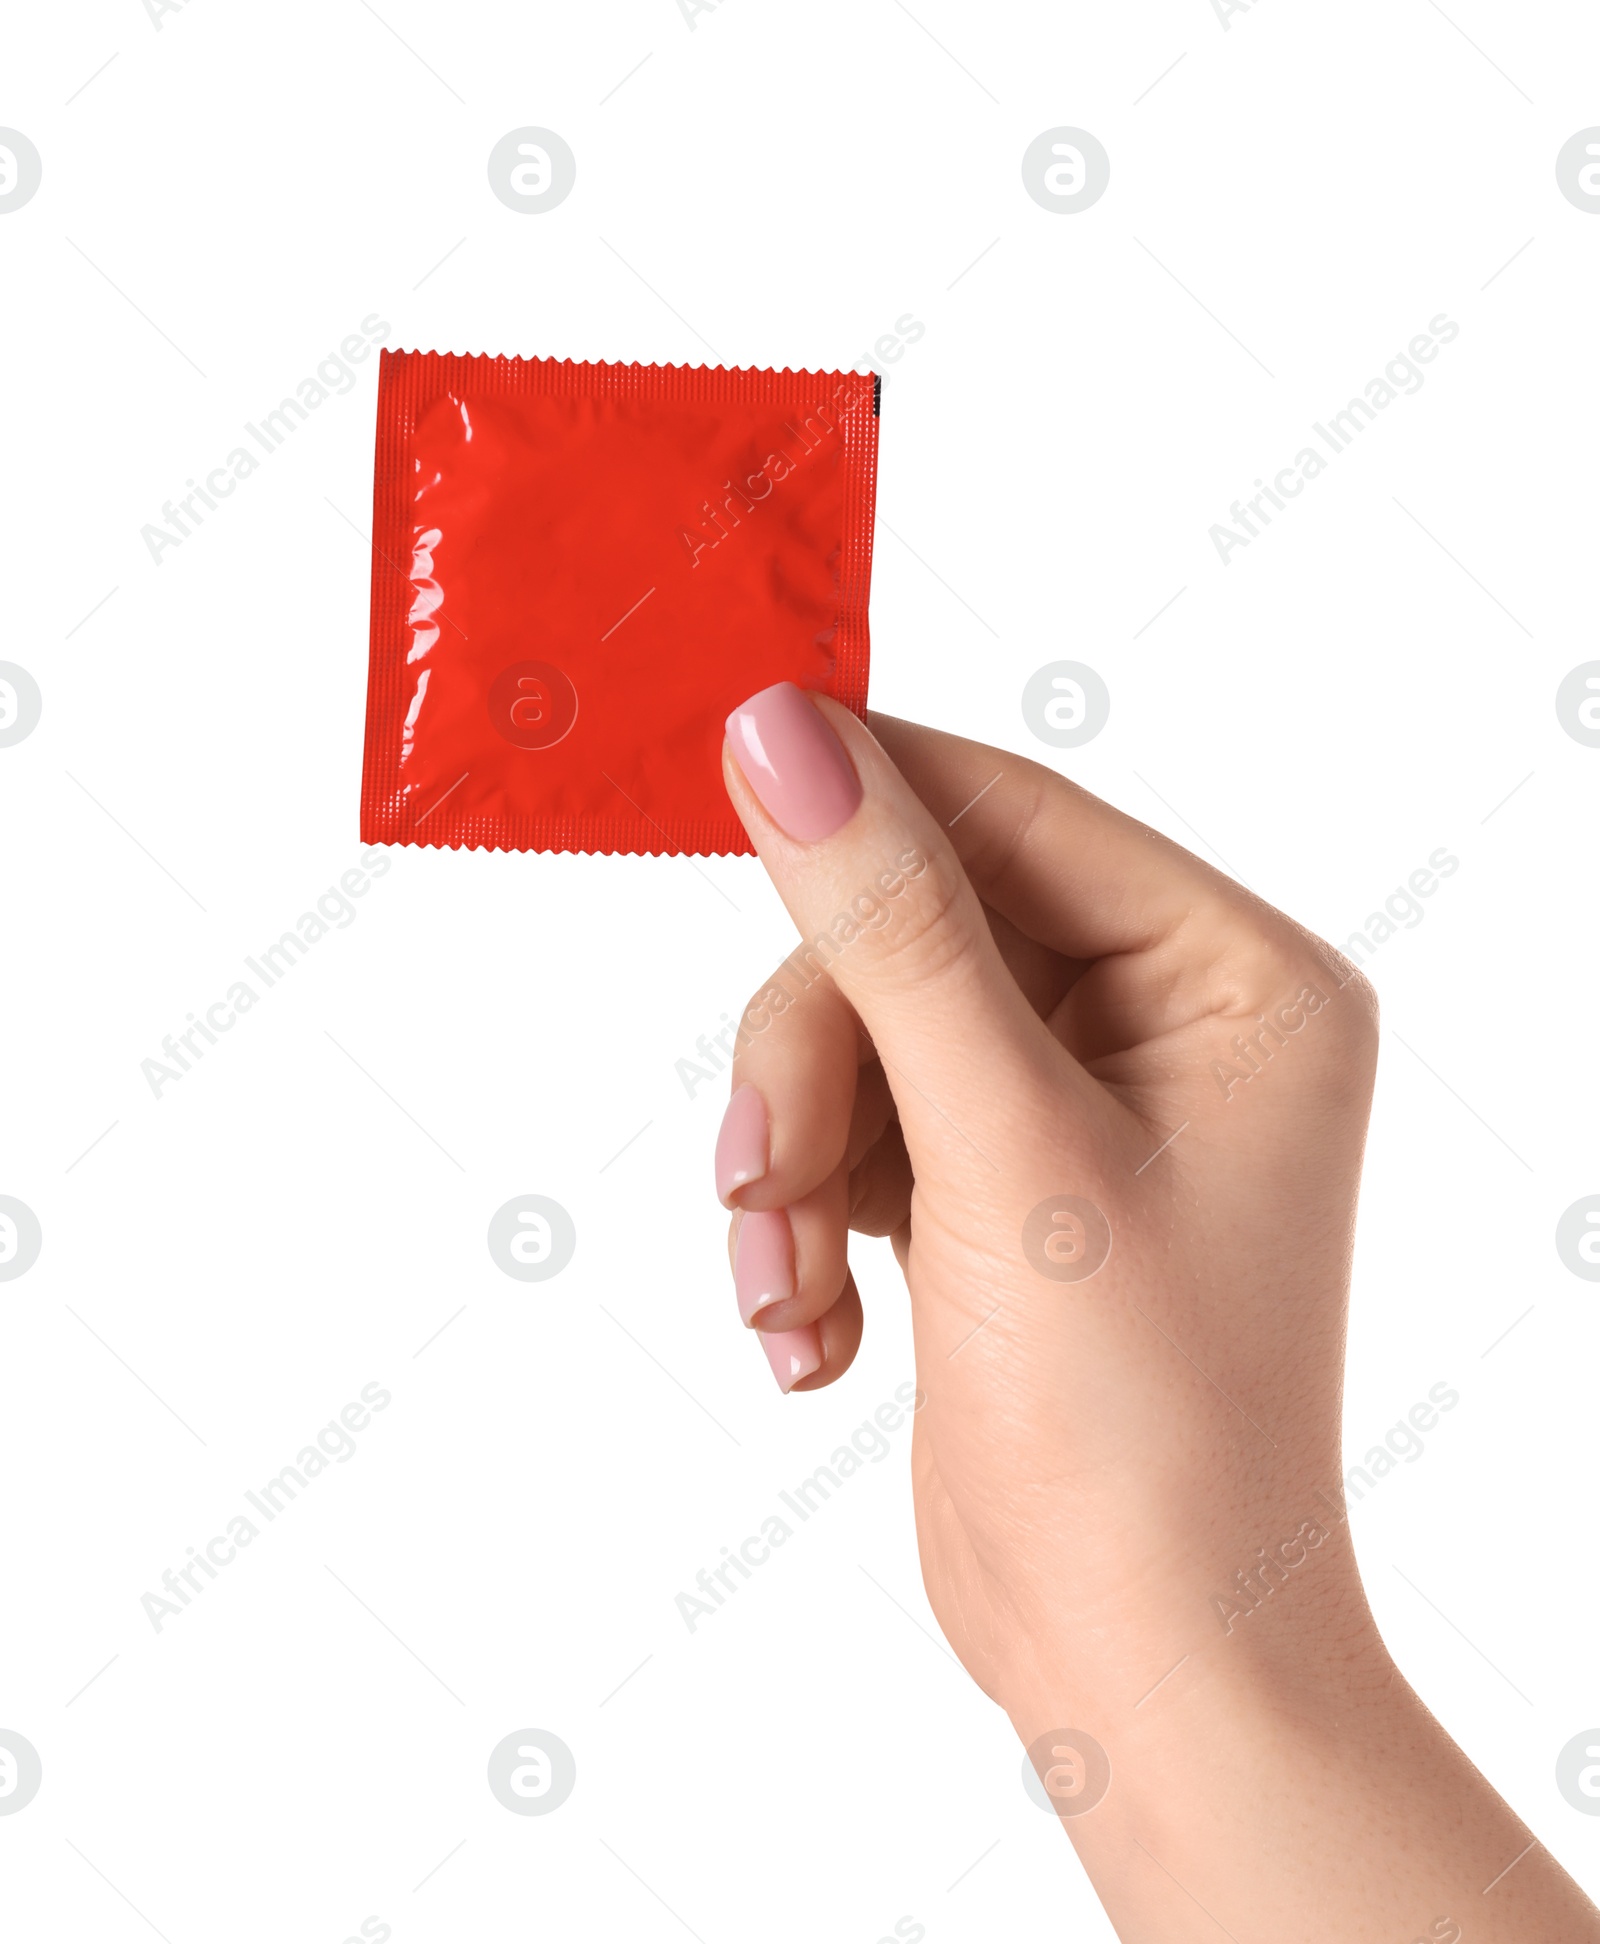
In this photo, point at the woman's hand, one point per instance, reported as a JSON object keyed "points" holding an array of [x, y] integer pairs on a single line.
{"points": [[1110, 1108]]}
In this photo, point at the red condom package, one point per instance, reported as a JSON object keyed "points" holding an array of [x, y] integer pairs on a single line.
{"points": [[579, 570]]}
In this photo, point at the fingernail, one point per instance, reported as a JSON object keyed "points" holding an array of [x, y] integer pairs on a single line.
{"points": [[763, 1261], [793, 1354], [794, 762], [743, 1143]]}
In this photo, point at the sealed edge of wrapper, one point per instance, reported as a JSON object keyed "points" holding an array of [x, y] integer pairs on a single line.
{"points": [[408, 381]]}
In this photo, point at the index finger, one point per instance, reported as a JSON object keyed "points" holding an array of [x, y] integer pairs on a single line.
{"points": [[1063, 866]]}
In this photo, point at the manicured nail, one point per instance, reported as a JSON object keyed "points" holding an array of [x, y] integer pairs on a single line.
{"points": [[763, 1261], [743, 1143], [794, 762], [793, 1354]]}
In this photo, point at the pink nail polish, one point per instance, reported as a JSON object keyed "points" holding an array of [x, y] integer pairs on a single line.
{"points": [[793, 1354], [763, 1261], [794, 762], [743, 1143]]}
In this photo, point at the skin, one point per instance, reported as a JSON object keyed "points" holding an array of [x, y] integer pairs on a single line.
{"points": [[1036, 1014]]}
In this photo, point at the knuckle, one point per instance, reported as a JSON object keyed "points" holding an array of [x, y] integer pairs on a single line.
{"points": [[1364, 1009], [997, 846], [925, 936], [1310, 975], [1321, 964]]}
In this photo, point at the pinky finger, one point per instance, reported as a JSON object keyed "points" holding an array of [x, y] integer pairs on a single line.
{"points": [[817, 1353]]}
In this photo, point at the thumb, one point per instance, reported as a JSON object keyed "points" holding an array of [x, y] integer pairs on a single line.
{"points": [[886, 912]]}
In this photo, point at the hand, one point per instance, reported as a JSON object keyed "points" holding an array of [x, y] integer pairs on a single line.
{"points": [[1110, 1108], [1039, 995]]}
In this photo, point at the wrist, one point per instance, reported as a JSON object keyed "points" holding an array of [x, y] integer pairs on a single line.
{"points": [[1286, 1630], [1158, 1778]]}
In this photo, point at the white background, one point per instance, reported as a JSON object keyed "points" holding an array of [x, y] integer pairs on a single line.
{"points": [[1370, 680]]}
